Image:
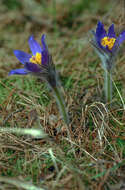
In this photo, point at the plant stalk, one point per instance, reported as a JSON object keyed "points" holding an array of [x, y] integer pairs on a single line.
{"points": [[61, 104], [108, 85], [62, 108], [63, 111]]}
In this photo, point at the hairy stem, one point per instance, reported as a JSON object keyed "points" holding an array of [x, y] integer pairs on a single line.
{"points": [[108, 85], [63, 111], [61, 104]]}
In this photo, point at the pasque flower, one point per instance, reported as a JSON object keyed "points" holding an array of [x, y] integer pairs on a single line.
{"points": [[107, 44], [39, 63]]}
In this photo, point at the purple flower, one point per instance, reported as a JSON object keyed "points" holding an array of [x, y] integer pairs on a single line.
{"points": [[108, 40], [106, 44], [39, 63]]}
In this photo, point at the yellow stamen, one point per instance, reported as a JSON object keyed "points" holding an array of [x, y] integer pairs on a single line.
{"points": [[36, 59], [106, 41]]}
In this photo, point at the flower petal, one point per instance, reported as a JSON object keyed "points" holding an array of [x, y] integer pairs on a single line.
{"points": [[43, 41], [32, 67], [34, 45], [121, 37], [18, 72], [45, 53], [22, 56], [45, 57], [100, 31], [111, 31]]}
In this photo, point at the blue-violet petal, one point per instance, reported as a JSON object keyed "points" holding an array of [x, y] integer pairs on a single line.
{"points": [[22, 56], [100, 31], [34, 45], [111, 31], [18, 72], [32, 67], [121, 37]]}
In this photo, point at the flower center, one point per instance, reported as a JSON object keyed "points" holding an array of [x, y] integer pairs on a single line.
{"points": [[36, 59], [106, 41]]}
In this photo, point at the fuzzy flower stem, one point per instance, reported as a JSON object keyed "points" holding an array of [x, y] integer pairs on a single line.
{"points": [[63, 111], [61, 104], [108, 85]]}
